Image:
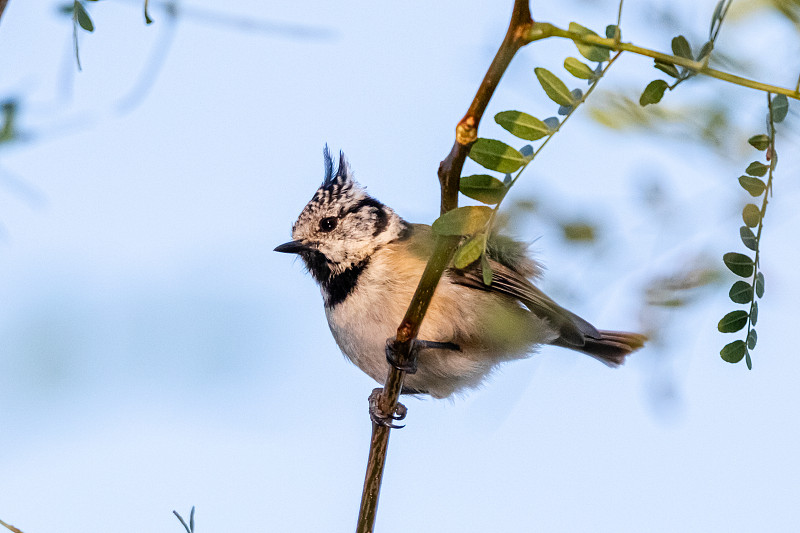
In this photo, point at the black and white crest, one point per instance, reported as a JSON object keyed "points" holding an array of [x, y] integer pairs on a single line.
{"points": [[338, 177]]}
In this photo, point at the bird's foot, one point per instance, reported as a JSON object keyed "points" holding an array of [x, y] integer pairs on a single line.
{"points": [[380, 418], [409, 366]]}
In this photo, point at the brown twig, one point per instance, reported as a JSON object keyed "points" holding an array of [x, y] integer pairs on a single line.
{"points": [[3, 4], [449, 174]]}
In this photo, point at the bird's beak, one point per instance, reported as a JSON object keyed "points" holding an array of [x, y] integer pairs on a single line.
{"points": [[292, 247]]}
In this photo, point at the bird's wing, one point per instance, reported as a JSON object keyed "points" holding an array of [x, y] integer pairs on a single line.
{"points": [[572, 329]]}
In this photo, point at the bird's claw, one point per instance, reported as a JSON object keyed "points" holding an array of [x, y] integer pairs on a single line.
{"points": [[409, 366], [379, 417]]}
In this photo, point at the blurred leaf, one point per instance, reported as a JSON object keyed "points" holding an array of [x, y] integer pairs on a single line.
{"points": [[741, 292], [482, 187], [496, 155], [748, 361], [751, 215], [486, 270], [715, 17], [759, 142], [84, 21], [556, 90], [681, 47], [754, 313], [780, 106], [705, 50], [653, 93], [759, 284], [752, 339], [668, 68], [732, 322], [756, 168], [733, 352], [470, 251], [589, 51], [67, 9], [748, 238], [611, 31], [752, 185], [578, 68], [463, 220], [739, 264], [578, 232], [552, 123], [527, 152], [522, 125]]}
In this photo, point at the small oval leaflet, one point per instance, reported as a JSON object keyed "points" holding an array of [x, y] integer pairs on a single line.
{"points": [[496, 155], [681, 47], [751, 215], [589, 51], [463, 220], [522, 125], [780, 106], [482, 187], [470, 251], [739, 264], [552, 123], [667, 68], [754, 313], [759, 284], [733, 322], [653, 93], [757, 168], [578, 68], [752, 339], [486, 270], [611, 32], [759, 142], [752, 185], [556, 90], [82, 16], [748, 238], [741, 292], [733, 352]]}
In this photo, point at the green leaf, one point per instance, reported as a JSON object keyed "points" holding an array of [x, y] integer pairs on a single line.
{"points": [[780, 106], [668, 68], [756, 168], [589, 51], [653, 93], [748, 361], [578, 68], [759, 142], [556, 90], [578, 232], [715, 17], [733, 352], [681, 47], [752, 185], [759, 285], [67, 9], [486, 270], [496, 155], [470, 251], [611, 32], [732, 322], [739, 264], [552, 123], [705, 50], [463, 221], [84, 21], [754, 313], [748, 238], [752, 339], [751, 215], [741, 292], [482, 187], [522, 125]]}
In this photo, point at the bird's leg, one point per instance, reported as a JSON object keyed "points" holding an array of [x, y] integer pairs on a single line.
{"points": [[379, 417], [409, 365]]}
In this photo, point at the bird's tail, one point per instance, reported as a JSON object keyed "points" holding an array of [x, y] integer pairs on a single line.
{"points": [[611, 347]]}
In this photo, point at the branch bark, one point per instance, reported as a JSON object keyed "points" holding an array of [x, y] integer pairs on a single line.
{"points": [[449, 174], [3, 4]]}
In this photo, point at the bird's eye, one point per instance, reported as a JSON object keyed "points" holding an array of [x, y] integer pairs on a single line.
{"points": [[327, 224]]}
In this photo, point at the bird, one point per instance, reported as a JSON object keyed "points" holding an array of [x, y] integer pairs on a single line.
{"points": [[368, 261]]}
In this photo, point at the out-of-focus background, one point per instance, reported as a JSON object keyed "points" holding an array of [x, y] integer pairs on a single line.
{"points": [[156, 354]]}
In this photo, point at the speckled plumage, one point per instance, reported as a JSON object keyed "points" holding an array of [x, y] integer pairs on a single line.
{"points": [[368, 261]]}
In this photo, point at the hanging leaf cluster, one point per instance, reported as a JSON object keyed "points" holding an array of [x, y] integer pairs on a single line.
{"points": [[475, 222], [748, 290], [655, 90]]}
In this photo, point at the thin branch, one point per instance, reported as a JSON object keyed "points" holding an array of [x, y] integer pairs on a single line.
{"points": [[543, 30], [3, 4], [449, 174]]}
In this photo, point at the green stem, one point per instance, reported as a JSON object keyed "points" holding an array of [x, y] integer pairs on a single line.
{"points": [[543, 30]]}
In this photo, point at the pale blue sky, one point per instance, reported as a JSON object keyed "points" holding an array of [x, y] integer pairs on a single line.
{"points": [[156, 354]]}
